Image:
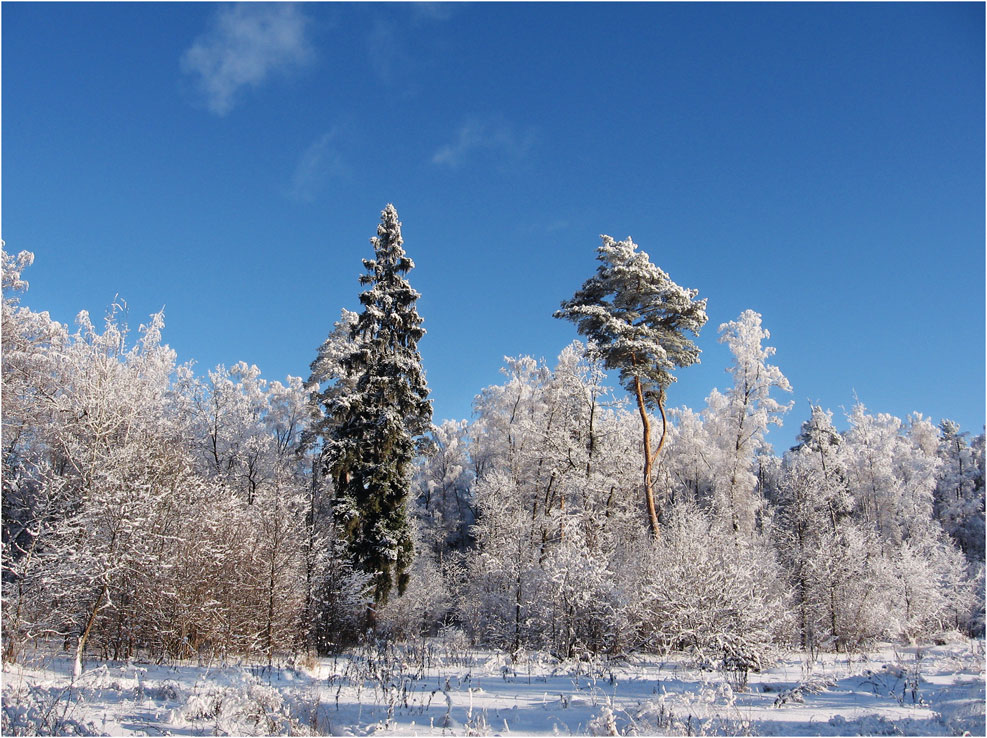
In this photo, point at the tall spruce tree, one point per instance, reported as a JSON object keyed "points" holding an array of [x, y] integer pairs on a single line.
{"points": [[376, 423], [636, 319]]}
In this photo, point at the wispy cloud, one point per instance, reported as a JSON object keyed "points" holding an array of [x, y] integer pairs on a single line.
{"points": [[396, 46], [317, 164], [478, 136], [247, 43], [385, 50], [429, 11]]}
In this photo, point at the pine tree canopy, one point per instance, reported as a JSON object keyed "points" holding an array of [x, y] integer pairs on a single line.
{"points": [[636, 318]]}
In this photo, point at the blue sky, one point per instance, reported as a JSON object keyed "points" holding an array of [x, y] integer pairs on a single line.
{"points": [[822, 164]]}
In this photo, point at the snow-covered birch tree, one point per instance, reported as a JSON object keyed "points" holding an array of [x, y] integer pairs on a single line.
{"points": [[739, 420], [959, 493], [31, 372]]}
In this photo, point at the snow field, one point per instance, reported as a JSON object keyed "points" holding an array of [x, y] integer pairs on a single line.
{"points": [[935, 690]]}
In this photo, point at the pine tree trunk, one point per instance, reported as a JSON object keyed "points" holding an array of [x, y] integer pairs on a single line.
{"points": [[649, 457]]}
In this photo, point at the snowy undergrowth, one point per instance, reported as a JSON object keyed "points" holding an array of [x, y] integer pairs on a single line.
{"points": [[435, 690]]}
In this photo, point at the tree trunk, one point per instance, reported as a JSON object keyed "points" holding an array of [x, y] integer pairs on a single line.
{"points": [[13, 634], [649, 455], [516, 648], [270, 611], [84, 637]]}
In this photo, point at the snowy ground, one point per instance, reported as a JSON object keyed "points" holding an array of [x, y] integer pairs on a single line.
{"points": [[936, 690]]}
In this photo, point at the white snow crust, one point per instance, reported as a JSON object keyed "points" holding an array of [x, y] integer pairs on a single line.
{"points": [[450, 689]]}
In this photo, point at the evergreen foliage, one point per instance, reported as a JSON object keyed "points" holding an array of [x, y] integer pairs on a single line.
{"points": [[636, 318], [379, 417]]}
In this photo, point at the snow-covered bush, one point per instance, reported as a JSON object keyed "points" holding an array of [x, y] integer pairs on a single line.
{"points": [[424, 605], [250, 708], [709, 710], [715, 595], [44, 710], [582, 601]]}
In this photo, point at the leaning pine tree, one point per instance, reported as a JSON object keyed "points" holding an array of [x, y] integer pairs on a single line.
{"points": [[636, 318], [376, 420]]}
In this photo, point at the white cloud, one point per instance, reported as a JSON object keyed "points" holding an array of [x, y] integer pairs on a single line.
{"points": [[248, 42], [476, 136], [318, 163]]}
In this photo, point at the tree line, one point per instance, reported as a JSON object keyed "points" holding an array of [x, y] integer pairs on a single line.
{"points": [[148, 510]]}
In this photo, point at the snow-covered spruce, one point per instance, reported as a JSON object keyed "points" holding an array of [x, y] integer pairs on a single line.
{"points": [[376, 417]]}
